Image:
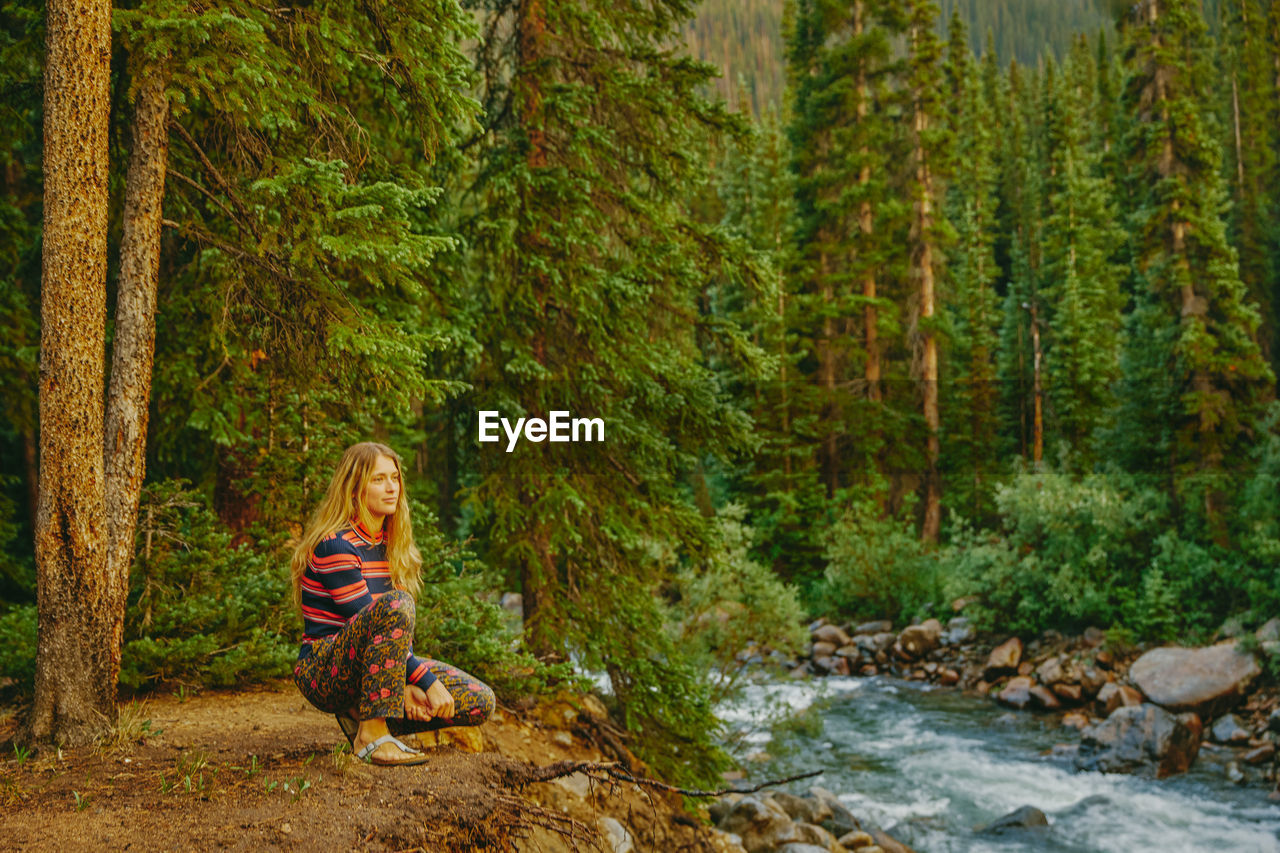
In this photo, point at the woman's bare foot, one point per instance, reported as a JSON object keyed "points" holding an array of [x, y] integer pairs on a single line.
{"points": [[371, 730]]}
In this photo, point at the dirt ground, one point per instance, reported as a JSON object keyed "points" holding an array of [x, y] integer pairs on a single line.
{"points": [[261, 769]]}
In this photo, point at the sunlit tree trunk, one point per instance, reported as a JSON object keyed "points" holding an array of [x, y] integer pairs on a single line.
{"points": [[79, 608]]}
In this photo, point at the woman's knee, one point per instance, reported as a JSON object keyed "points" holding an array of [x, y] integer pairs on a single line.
{"points": [[485, 704], [399, 607]]}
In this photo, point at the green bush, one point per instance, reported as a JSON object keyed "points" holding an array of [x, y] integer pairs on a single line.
{"points": [[201, 610], [729, 602], [1100, 550], [877, 568], [459, 622], [18, 645]]}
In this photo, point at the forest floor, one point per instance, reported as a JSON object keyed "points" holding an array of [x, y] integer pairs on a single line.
{"points": [[260, 768]]}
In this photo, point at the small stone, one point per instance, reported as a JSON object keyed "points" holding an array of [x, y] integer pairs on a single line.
{"points": [[1050, 672], [1026, 668], [286, 828], [1259, 754], [620, 840], [1070, 694], [465, 738], [1091, 681], [1004, 658], [1113, 696], [918, 640], [822, 649], [1234, 773], [1027, 817], [1076, 720], [562, 737], [1227, 729], [949, 678], [1043, 697], [880, 627], [1104, 660], [856, 840], [1093, 637], [831, 634], [884, 640], [1269, 632], [805, 809], [1017, 693], [1233, 627]]}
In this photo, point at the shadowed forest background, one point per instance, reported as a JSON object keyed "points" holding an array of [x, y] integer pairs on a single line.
{"points": [[911, 303]]}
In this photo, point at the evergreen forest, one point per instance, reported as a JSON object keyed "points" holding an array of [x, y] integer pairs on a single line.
{"points": [[931, 301]]}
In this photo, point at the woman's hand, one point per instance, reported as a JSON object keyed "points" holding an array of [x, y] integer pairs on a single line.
{"points": [[440, 700], [416, 706]]}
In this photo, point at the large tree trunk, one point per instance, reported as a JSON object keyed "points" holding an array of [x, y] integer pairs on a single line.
{"points": [[866, 224], [129, 397], [75, 684], [924, 231], [827, 379], [538, 569]]}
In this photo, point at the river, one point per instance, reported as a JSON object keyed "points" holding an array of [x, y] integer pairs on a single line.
{"points": [[931, 764]]}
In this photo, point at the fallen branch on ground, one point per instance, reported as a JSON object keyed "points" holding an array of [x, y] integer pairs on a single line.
{"points": [[611, 771]]}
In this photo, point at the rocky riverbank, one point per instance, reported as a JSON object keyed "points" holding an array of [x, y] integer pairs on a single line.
{"points": [[777, 822], [1153, 711]]}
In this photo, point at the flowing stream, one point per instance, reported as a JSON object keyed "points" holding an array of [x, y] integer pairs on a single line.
{"points": [[930, 765]]}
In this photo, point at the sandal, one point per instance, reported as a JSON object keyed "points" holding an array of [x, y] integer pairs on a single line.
{"points": [[413, 757]]}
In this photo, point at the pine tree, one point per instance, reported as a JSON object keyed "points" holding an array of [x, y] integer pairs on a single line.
{"points": [[1081, 280], [969, 375], [1248, 92], [843, 139], [581, 241], [1020, 226], [928, 135], [1194, 329]]}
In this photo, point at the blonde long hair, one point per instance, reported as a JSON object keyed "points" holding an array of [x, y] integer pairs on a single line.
{"points": [[344, 501]]}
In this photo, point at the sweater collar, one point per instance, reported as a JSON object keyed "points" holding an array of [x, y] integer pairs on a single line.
{"points": [[364, 534]]}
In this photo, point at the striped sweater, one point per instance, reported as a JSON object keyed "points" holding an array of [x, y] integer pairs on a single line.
{"points": [[346, 573]]}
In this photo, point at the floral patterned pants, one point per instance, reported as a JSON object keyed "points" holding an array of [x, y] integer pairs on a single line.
{"points": [[363, 666]]}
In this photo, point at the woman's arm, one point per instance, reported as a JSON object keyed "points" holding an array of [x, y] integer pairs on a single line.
{"points": [[333, 589], [416, 671]]}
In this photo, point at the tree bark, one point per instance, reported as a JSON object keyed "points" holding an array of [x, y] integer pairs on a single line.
{"points": [[1037, 442], [75, 687], [866, 225], [924, 232], [538, 569], [827, 378], [129, 395]]}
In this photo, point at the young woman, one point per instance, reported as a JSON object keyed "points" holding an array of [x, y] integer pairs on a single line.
{"points": [[356, 574]]}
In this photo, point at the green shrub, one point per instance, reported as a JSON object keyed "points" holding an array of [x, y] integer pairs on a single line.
{"points": [[1100, 550], [877, 567], [729, 602], [201, 610], [459, 622], [18, 645]]}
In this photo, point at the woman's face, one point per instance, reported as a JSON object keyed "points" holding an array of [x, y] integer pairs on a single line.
{"points": [[382, 495]]}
